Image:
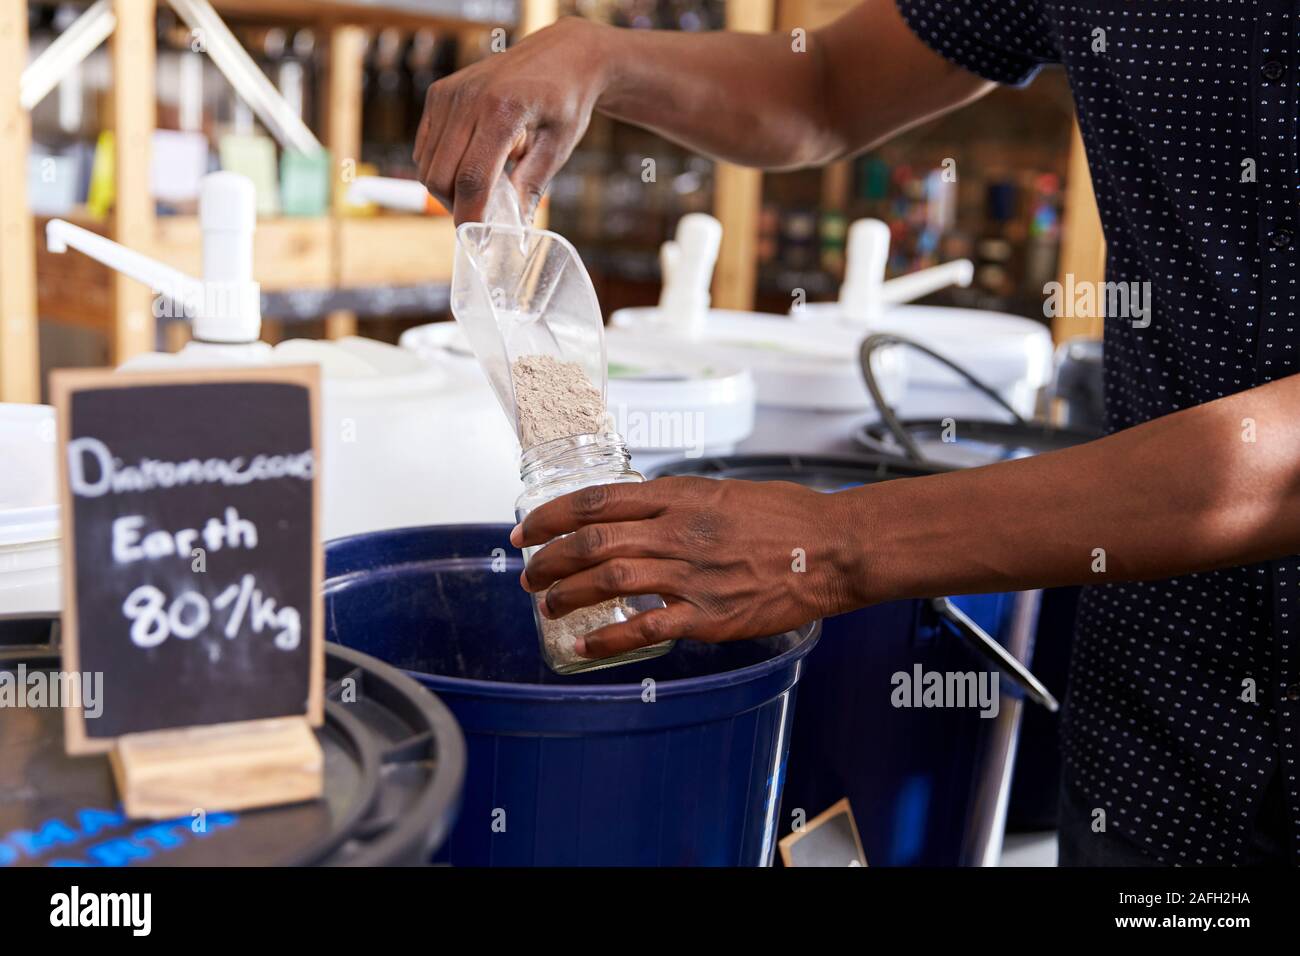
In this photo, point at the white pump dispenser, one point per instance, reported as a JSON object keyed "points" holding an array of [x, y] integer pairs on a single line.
{"points": [[865, 293], [225, 305], [687, 263]]}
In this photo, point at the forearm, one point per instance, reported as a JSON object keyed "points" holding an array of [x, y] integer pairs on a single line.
{"points": [[1180, 494], [760, 100], [741, 97]]}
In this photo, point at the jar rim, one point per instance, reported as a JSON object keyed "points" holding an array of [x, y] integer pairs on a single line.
{"points": [[558, 450]]}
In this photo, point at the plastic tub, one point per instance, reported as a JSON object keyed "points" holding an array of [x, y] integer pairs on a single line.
{"points": [[927, 786], [29, 513], [970, 444], [675, 761], [394, 768], [1009, 352], [665, 403]]}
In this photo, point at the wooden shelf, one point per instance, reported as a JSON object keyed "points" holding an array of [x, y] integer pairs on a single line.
{"points": [[289, 255], [470, 14], [394, 250]]}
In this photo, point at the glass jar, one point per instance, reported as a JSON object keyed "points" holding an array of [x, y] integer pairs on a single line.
{"points": [[550, 470]]}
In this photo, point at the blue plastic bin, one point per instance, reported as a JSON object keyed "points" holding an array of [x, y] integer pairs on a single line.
{"points": [[675, 761], [927, 786]]}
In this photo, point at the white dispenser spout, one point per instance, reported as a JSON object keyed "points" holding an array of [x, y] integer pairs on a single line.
{"points": [[958, 272], [225, 306], [865, 292], [687, 263]]}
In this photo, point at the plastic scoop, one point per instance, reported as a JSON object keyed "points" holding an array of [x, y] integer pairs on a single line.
{"points": [[518, 291]]}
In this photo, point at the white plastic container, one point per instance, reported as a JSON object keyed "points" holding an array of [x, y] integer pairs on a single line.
{"points": [[664, 404], [793, 366], [1011, 354], [29, 512], [404, 441]]}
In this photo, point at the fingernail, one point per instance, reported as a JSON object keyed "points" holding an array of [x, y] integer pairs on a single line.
{"points": [[580, 647], [523, 580], [517, 534]]}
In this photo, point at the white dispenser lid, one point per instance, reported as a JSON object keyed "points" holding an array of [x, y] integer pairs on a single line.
{"points": [[29, 510], [662, 399], [1001, 350], [794, 365]]}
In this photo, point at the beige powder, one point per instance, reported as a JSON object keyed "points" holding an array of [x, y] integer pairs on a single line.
{"points": [[554, 399], [561, 636]]}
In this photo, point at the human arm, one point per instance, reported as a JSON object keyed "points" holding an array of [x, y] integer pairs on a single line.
{"points": [[746, 98], [1187, 492]]}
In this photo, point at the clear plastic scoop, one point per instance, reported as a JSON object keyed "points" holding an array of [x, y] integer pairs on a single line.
{"points": [[518, 291]]}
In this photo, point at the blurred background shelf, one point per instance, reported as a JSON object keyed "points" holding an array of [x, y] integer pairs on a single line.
{"points": [[356, 72]]}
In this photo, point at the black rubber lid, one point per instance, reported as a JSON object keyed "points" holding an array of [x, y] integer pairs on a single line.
{"points": [[823, 472], [394, 768], [969, 443]]}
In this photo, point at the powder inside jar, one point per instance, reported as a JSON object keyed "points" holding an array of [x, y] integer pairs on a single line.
{"points": [[560, 636], [554, 399]]}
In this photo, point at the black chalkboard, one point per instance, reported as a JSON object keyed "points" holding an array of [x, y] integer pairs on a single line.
{"points": [[191, 560]]}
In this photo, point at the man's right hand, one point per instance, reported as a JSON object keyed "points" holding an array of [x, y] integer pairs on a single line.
{"points": [[754, 99], [531, 104]]}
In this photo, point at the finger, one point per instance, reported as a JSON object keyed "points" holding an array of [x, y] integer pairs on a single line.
{"points": [[495, 136], [642, 630], [621, 577], [596, 504], [591, 545], [536, 167], [443, 151]]}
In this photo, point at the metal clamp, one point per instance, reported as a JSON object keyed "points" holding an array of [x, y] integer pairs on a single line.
{"points": [[979, 641]]}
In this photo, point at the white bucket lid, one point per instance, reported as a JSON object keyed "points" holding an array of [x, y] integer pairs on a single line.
{"points": [[663, 400], [811, 366], [29, 510], [1001, 350]]}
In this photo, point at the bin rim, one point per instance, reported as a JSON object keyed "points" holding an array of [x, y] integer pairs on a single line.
{"points": [[807, 637]]}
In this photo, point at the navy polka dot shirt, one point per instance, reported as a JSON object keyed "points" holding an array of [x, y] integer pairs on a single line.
{"points": [[1184, 694]]}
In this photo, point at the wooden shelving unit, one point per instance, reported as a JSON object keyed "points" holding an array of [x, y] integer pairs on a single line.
{"points": [[333, 252], [336, 252]]}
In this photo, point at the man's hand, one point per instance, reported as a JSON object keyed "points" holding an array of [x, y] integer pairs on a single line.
{"points": [[731, 559], [746, 98], [531, 104]]}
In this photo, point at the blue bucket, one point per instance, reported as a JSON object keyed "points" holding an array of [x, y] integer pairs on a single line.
{"points": [[928, 787], [1036, 786], [679, 763]]}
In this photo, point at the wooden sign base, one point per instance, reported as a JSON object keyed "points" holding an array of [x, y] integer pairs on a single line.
{"points": [[171, 773]]}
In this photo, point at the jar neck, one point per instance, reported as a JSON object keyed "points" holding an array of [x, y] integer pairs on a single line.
{"points": [[599, 454]]}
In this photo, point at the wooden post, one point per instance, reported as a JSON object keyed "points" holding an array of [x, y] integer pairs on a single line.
{"points": [[1083, 246], [536, 14], [19, 358], [133, 214], [738, 191], [347, 53], [533, 16]]}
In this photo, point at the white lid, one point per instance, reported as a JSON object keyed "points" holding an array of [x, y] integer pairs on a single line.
{"points": [[662, 399], [794, 365], [1000, 349], [28, 481]]}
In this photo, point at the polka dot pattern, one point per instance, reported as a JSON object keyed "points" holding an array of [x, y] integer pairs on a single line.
{"points": [[1189, 118]]}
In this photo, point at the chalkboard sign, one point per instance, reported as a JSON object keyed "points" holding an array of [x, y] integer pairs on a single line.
{"points": [[191, 562], [829, 839]]}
